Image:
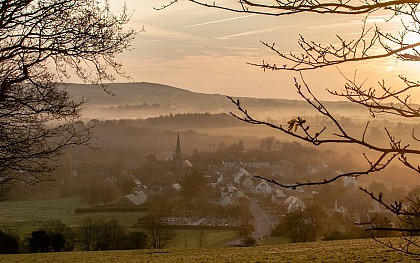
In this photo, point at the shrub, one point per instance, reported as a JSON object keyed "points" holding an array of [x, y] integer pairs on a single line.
{"points": [[8, 244], [39, 242]]}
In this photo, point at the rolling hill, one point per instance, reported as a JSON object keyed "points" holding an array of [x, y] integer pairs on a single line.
{"points": [[143, 100]]}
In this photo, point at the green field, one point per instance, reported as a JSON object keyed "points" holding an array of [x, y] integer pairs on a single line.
{"points": [[25, 216], [189, 238], [328, 251]]}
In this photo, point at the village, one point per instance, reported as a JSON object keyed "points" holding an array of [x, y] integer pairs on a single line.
{"points": [[232, 193]]}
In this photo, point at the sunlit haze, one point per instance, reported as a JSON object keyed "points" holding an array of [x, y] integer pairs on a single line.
{"points": [[159, 165], [207, 50]]}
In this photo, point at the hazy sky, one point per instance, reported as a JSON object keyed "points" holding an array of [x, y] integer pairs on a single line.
{"points": [[206, 50]]}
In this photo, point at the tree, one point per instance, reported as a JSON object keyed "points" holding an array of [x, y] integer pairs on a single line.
{"points": [[373, 43], [110, 235], [91, 195], [136, 240], [194, 187], [39, 242], [269, 144], [86, 233], [57, 229], [9, 244], [58, 242], [44, 43], [302, 225], [159, 234]]}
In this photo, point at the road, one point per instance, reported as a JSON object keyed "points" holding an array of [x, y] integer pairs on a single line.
{"points": [[262, 223]]}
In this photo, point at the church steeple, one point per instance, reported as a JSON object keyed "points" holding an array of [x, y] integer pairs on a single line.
{"points": [[178, 153]]}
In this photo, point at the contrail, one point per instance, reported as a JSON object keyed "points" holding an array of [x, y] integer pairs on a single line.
{"points": [[253, 32], [219, 21]]}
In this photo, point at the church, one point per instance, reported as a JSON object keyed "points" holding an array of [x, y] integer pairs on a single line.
{"points": [[180, 166]]}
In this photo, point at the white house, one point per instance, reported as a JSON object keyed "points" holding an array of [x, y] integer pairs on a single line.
{"points": [[247, 183], [177, 187], [138, 198], [350, 183], [293, 203], [278, 196], [225, 200], [238, 175], [263, 187], [238, 198], [257, 165]]}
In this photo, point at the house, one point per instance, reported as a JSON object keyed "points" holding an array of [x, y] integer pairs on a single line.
{"points": [[230, 188], [137, 198], [263, 188], [352, 209], [293, 203], [225, 200], [340, 208], [278, 197], [350, 183], [187, 164], [257, 165], [247, 183], [238, 198], [238, 175], [138, 183], [284, 168], [177, 187], [231, 165], [214, 179], [317, 168]]}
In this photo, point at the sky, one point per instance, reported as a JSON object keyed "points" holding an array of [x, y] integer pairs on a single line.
{"points": [[206, 50]]}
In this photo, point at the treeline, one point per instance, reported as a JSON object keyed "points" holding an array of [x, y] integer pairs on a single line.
{"points": [[143, 106], [194, 120], [91, 234], [131, 139], [182, 121], [306, 225]]}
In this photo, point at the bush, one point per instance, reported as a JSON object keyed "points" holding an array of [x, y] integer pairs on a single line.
{"points": [[57, 241], [39, 242], [62, 237], [333, 235], [281, 229], [135, 240], [8, 244], [249, 241]]}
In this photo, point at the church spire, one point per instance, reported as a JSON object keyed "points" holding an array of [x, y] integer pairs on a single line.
{"points": [[178, 153], [178, 145]]}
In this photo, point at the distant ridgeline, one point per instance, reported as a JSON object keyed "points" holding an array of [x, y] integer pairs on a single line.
{"points": [[143, 100]]}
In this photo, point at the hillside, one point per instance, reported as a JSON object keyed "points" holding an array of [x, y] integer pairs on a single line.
{"points": [[365, 250], [143, 100]]}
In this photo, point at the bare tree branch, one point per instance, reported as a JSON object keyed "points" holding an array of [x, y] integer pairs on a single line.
{"points": [[38, 117]]}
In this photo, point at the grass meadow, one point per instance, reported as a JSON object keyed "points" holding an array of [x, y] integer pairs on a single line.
{"points": [[26, 216], [365, 250]]}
